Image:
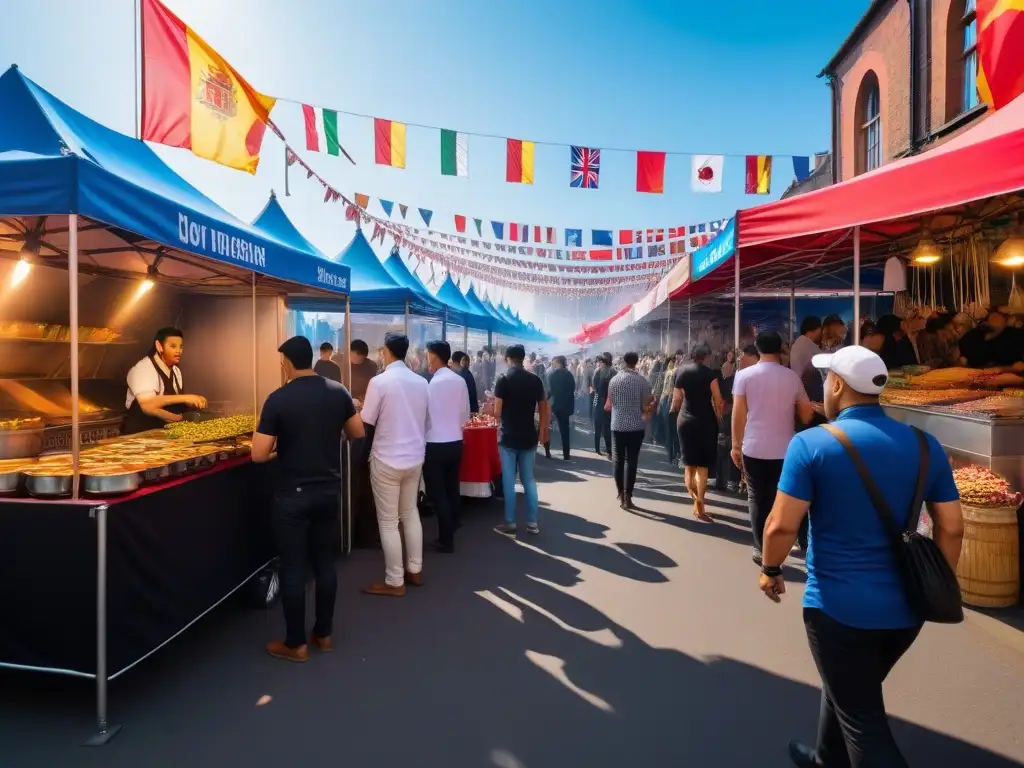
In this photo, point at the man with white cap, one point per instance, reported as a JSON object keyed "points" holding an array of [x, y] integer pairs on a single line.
{"points": [[856, 613]]}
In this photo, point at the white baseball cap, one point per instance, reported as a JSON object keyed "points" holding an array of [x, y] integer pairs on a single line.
{"points": [[858, 366]]}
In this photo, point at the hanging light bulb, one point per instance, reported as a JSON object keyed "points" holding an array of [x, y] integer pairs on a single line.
{"points": [[926, 251], [20, 272], [1010, 253]]}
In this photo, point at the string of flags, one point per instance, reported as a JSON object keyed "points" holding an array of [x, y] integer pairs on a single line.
{"points": [[706, 171]]}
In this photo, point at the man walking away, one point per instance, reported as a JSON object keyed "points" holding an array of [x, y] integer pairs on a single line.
{"points": [[396, 408], [602, 419], [630, 394], [562, 389], [447, 415], [325, 366], [767, 400], [460, 363], [301, 427], [518, 395], [856, 613]]}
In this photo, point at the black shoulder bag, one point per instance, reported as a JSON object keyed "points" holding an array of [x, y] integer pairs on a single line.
{"points": [[930, 583]]}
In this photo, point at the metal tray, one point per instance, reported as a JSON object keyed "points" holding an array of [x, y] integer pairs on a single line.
{"points": [[20, 443], [49, 486], [111, 485]]}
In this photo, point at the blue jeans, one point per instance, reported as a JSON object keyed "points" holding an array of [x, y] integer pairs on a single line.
{"points": [[523, 461]]}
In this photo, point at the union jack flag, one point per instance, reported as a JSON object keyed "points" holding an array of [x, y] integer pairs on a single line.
{"points": [[585, 166]]}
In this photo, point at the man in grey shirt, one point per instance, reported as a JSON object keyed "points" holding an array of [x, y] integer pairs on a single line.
{"points": [[800, 355], [631, 399]]}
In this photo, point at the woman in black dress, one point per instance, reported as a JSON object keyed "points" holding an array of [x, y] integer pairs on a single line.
{"points": [[697, 398]]}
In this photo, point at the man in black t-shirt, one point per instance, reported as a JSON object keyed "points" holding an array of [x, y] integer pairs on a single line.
{"points": [[325, 366], [301, 426], [518, 395], [602, 419]]}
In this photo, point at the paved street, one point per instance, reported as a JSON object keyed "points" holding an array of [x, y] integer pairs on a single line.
{"points": [[612, 639]]}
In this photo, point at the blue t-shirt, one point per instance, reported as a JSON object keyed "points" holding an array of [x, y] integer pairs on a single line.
{"points": [[851, 571]]}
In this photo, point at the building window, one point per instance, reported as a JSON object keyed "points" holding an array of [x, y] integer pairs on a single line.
{"points": [[868, 155], [969, 56]]}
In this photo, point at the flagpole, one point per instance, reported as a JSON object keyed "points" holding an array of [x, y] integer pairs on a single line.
{"points": [[137, 65], [287, 191]]}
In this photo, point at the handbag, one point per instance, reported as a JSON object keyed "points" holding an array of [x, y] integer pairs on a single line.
{"points": [[930, 583]]}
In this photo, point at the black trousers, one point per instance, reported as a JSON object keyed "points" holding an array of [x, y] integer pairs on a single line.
{"points": [[564, 430], [627, 456], [602, 427], [853, 729], [441, 477], [306, 525], [762, 476]]}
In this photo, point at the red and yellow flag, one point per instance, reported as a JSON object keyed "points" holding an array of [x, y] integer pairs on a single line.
{"points": [[1000, 51], [192, 98], [389, 142]]}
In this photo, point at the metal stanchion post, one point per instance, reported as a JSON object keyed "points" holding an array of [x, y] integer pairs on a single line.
{"points": [[104, 731]]}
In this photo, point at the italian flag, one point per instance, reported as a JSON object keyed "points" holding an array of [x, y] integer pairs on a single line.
{"points": [[454, 153], [321, 130]]}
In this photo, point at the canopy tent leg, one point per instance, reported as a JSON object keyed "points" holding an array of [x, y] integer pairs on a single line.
{"points": [[490, 339], [406, 326], [74, 357], [689, 335], [465, 339], [444, 325], [346, 533], [104, 731], [856, 285], [668, 327], [255, 358], [792, 311], [736, 297]]}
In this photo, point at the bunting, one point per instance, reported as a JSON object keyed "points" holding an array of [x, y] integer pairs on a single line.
{"points": [[454, 153], [519, 161], [425, 214], [573, 238], [758, 174], [403, 209], [387, 206], [363, 201], [460, 223], [389, 142], [479, 223], [650, 172]]}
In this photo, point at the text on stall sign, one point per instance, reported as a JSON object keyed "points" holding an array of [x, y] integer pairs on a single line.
{"points": [[206, 238]]}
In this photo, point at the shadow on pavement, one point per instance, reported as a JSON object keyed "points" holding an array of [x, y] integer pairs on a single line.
{"points": [[492, 663]]}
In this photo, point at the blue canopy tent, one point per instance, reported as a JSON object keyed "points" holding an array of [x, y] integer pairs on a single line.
{"points": [[79, 196], [401, 273], [459, 310], [273, 221]]}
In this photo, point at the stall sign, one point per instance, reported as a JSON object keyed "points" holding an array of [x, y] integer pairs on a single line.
{"points": [[712, 255]]}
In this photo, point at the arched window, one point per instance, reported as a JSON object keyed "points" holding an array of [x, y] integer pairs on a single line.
{"points": [[868, 153], [961, 57]]}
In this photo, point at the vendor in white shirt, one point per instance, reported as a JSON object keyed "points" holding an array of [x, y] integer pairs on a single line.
{"points": [[155, 391]]}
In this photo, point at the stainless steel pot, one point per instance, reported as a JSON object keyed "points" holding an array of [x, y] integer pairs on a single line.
{"points": [[111, 485], [20, 443], [10, 482], [49, 486]]}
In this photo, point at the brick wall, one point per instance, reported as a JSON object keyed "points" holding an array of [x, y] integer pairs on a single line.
{"points": [[884, 49]]}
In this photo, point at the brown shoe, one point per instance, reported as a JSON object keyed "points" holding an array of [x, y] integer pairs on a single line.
{"points": [[279, 650], [416, 579], [382, 589], [323, 644]]}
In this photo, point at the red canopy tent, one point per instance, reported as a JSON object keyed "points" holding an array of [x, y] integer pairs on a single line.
{"points": [[886, 204], [594, 332]]}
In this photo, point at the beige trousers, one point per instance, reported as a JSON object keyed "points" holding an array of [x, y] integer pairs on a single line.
{"points": [[395, 492]]}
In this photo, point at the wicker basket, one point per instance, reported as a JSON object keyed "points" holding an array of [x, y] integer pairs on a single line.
{"points": [[989, 567]]}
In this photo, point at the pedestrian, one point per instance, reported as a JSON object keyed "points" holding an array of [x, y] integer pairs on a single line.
{"points": [[562, 391], [630, 396], [858, 620], [325, 366], [665, 416], [697, 404], [800, 354], [396, 409], [833, 334], [603, 374], [448, 413], [363, 369], [767, 400], [460, 365], [300, 428], [518, 396]]}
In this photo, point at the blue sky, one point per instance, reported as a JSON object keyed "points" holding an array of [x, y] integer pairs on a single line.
{"points": [[734, 76]]}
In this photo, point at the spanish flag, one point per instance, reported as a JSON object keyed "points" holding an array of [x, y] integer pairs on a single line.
{"points": [[389, 142], [759, 174], [192, 98], [1000, 51]]}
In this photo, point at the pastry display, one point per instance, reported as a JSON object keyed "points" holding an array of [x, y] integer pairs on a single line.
{"points": [[213, 429], [981, 487], [921, 397]]}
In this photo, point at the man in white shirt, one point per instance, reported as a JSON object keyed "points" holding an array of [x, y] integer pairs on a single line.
{"points": [[447, 415], [396, 411]]}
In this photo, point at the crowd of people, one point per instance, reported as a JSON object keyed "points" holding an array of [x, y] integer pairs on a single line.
{"points": [[742, 421]]}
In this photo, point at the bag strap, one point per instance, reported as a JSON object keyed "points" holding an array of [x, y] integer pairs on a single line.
{"points": [[923, 468], [874, 492]]}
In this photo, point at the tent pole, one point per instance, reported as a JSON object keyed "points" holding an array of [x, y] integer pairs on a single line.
{"points": [[668, 326], [444, 325], [104, 731], [465, 339], [74, 361], [407, 317], [137, 67], [255, 359], [689, 335], [736, 298], [856, 285], [346, 533], [792, 311]]}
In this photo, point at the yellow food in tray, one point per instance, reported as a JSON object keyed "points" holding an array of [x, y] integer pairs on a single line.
{"points": [[214, 429], [34, 422]]}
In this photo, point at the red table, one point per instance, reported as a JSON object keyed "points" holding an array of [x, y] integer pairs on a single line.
{"points": [[480, 461]]}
